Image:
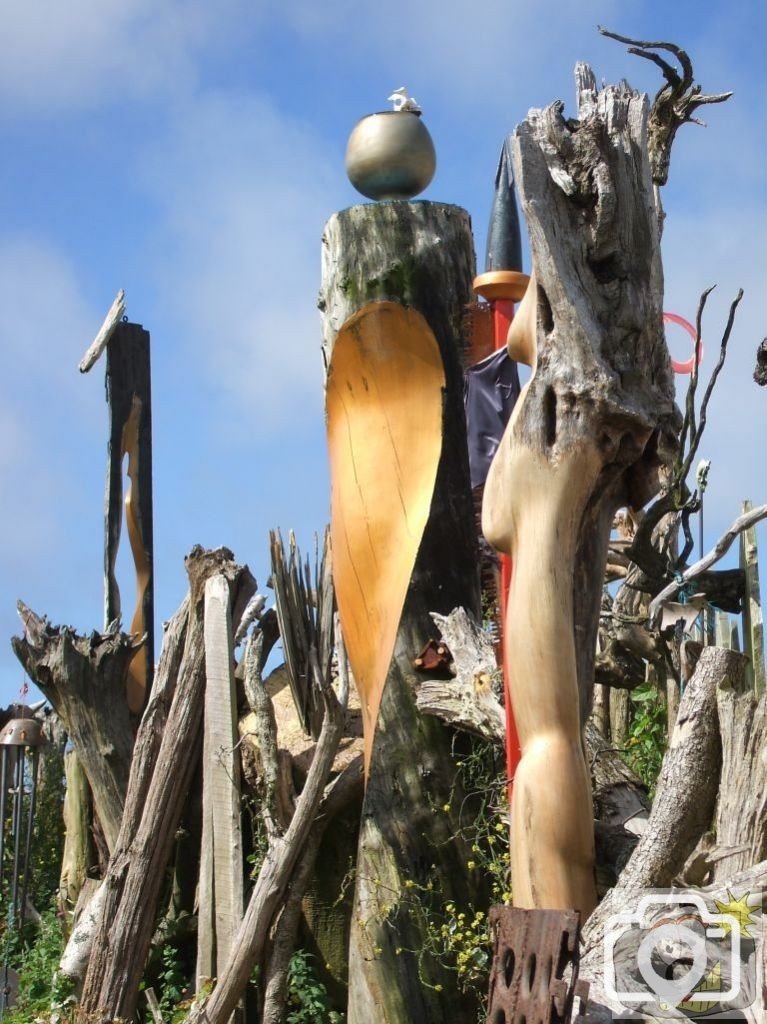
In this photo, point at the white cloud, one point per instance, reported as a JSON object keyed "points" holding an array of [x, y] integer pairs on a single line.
{"points": [[80, 53], [242, 193]]}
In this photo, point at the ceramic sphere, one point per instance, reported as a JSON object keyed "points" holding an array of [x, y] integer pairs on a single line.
{"points": [[390, 155]]}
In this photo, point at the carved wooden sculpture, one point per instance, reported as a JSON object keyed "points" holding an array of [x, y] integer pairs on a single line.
{"points": [[583, 440], [416, 258], [384, 414]]}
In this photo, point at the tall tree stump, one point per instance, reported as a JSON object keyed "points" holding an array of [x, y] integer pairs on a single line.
{"points": [[585, 438], [419, 255]]}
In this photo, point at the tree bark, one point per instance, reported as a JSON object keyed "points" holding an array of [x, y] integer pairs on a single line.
{"points": [[419, 255], [166, 755], [583, 440]]}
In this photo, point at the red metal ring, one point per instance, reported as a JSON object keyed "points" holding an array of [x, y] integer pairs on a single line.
{"points": [[687, 367]]}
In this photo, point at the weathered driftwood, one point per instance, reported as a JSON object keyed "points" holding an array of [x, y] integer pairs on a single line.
{"points": [[419, 255], [279, 865], [84, 679], [686, 792], [722, 546], [221, 893], [160, 777], [741, 817], [99, 343], [583, 441], [129, 395]]}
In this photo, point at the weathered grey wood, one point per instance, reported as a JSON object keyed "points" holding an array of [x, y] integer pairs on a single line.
{"points": [[753, 618], [129, 395], [157, 792], [77, 856], [686, 792], [99, 343], [84, 679], [722, 630], [280, 861], [620, 710], [744, 522], [419, 255], [741, 817], [222, 826]]}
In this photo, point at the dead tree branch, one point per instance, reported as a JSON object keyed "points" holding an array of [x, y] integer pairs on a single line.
{"points": [[722, 546], [675, 103]]}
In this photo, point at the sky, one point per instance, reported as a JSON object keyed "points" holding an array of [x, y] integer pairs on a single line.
{"points": [[191, 152]]}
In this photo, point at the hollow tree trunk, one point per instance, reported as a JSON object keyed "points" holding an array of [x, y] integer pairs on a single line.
{"points": [[419, 255], [84, 679], [583, 440]]}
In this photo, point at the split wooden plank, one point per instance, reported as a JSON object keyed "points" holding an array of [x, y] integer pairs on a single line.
{"points": [[222, 831], [130, 434], [99, 343], [723, 630], [753, 618]]}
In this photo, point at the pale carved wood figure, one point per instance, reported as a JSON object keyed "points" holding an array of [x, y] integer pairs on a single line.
{"points": [[584, 439]]}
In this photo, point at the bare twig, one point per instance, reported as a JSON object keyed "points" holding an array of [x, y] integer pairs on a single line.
{"points": [[722, 546], [698, 433], [688, 426]]}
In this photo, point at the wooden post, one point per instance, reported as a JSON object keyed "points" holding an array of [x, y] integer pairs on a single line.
{"points": [[419, 255], [221, 869], [753, 621], [130, 434]]}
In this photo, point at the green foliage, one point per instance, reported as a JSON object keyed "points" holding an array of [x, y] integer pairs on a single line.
{"points": [[308, 1001], [171, 979], [647, 740], [48, 829], [40, 985]]}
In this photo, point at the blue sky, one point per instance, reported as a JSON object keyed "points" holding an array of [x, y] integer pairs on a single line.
{"points": [[191, 152]]}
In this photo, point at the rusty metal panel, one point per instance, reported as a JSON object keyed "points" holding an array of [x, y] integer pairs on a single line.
{"points": [[534, 975]]}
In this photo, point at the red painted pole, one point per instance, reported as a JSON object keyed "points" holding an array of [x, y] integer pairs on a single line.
{"points": [[503, 314]]}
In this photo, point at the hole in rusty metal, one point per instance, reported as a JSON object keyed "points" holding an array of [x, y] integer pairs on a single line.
{"points": [[508, 967], [544, 977]]}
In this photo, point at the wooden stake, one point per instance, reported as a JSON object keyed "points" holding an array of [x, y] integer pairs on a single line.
{"points": [[222, 830]]}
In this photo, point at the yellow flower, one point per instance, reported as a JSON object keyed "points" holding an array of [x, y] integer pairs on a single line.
{"points": [[470, 865], [437, 988], [409, 883], [446, 807]]}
